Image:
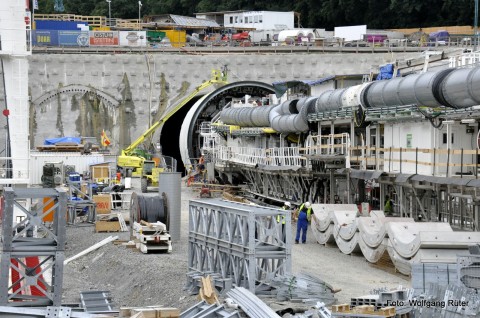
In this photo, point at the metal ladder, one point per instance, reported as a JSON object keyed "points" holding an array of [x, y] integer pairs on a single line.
{"points": [[121, 220]]}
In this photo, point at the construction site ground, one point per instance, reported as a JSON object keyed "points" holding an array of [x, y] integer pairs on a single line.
{"points": [[137, 279]]}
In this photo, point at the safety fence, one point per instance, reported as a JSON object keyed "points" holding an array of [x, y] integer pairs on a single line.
{"points": [[425, 161], [327, 144], [284, 156], [464, 60]]}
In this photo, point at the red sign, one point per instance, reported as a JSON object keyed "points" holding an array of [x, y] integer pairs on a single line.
{"points": [[104, 38]]}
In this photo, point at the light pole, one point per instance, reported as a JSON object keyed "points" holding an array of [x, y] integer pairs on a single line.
{"points": [[109, 13], [475, 27], [139, 11]]}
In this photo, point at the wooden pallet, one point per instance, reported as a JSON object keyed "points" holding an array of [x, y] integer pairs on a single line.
{"points": [[76, 148], [386, 264]]}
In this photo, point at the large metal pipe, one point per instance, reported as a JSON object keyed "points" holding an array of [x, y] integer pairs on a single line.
{"points": [[455, 88], [289, 116]]}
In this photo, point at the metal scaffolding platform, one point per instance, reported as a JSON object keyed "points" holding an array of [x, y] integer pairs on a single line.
{"points": [[33, 254], [239, 241]]}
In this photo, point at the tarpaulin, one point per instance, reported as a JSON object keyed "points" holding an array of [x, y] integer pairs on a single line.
{"points": [[54, 141]]}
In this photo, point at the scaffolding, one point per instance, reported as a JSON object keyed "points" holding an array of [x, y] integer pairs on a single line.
{"points": [[245, 243], [33, 253]]}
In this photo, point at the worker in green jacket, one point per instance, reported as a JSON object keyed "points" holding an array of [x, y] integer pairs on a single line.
{"points": [[388, 208], [282, 219]]}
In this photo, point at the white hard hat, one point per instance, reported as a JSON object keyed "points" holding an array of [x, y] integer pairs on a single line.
{"points": [[307, 205], [287, 204]]}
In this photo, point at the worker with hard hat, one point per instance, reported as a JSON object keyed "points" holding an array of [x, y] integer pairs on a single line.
{"points": [[281, 219], [304, 214]]}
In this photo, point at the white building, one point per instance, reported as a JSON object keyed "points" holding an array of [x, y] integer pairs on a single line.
{"points": [[260, 20]]}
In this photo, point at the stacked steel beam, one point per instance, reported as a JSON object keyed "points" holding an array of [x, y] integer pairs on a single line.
{"points": [[251, 304], [239, 241]]}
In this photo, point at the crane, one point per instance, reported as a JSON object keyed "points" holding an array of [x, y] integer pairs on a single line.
{"points": [[132, 160]]}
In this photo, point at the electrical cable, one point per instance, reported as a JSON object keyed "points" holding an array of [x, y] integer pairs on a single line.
{"points": [[359, 117], [149, 208]]}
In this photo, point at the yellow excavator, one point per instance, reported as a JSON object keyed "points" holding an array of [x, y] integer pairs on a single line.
{"points": [[138, 163]]}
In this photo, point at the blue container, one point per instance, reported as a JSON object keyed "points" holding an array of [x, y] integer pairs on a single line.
{"points": [[58, 25], [73, 38], [45, 37], [74, 177]]}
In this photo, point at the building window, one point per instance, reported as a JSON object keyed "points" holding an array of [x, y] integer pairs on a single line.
{"points": [[444, 138], [246, 19], [231, 20], [260, 19], [236, 19], [256, 19]]}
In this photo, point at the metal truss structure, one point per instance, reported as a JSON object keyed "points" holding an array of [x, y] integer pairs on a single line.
{"points": [[239, 241], [33, 253]]}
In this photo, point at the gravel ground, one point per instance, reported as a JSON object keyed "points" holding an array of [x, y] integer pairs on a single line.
{"points": [[137, 279]]}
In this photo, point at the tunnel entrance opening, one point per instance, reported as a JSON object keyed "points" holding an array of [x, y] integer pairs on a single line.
{"points": [[171, 134]]}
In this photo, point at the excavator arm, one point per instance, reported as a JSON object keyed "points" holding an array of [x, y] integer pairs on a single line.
{"points": [[218, 77]]}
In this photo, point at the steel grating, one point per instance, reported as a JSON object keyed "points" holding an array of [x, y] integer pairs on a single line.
{"points": [[238, 241], [32, 265], [425, 274], [96, 301]]}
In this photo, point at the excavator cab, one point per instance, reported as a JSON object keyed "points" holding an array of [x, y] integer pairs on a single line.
{"points": [[147, 175]]}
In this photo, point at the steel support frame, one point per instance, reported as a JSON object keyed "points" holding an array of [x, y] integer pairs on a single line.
{"points": [[239, 241], [295, 186], [17, 245]]}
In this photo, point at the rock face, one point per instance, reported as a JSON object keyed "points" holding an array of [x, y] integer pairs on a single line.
{"points": [[123, 94]]}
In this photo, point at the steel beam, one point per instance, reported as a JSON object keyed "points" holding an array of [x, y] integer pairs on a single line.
{"points": [[36, 260], [239, 241]]}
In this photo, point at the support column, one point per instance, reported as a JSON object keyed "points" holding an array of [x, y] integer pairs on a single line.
{"points": [[332, 187], [476, 216]]}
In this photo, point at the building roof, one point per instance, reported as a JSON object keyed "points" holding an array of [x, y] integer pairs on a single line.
{"points": [[181, 21], [191, 21], [221, 12]]}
